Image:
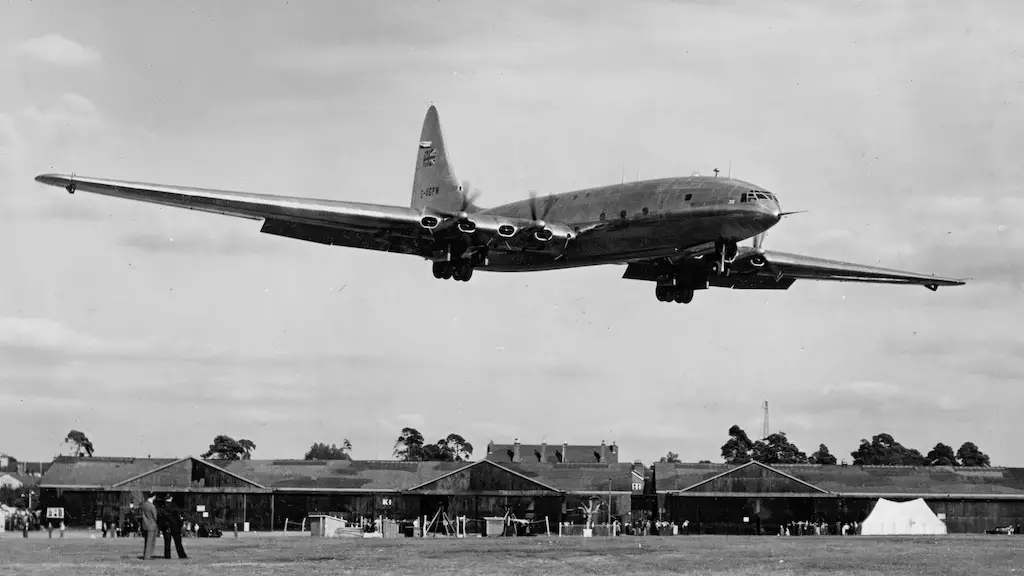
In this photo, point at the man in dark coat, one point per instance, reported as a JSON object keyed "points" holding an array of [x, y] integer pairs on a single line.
{"points": [[149, 525], [172, 522]]}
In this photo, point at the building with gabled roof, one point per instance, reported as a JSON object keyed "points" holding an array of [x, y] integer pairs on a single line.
{"points": [[716, 497], [564, 454], [266, 493]]}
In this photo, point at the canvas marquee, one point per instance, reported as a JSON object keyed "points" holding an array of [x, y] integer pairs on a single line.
{"points": [[891, 518]]}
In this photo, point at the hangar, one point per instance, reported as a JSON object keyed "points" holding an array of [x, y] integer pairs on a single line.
{"points": [[716, 498], [267, 493]]}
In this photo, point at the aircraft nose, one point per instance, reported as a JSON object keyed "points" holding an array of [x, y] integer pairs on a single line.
{"points": [[768, 213]]}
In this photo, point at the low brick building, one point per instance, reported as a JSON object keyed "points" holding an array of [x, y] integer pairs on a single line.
{"points": [[554, 454]]}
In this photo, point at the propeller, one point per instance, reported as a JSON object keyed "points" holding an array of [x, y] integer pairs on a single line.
{"points": [[469, 195], [452, 218], [539, 221]]}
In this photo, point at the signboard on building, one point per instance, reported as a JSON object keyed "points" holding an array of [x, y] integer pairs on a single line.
{"points": [[55, 513]]}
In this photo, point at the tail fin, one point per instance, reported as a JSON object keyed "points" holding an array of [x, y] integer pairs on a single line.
{"points": [[434, 184]]}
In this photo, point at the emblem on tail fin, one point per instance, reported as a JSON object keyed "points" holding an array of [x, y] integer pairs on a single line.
{"points": [[429, 157]]}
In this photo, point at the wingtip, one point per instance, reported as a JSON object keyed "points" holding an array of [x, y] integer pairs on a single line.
{"points": [[51, 179]]}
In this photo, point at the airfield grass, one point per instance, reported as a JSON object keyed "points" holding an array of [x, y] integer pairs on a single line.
{"points": [[736, 555]]}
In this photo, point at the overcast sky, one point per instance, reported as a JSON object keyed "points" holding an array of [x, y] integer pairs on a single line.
{"points": [[154, 329]]}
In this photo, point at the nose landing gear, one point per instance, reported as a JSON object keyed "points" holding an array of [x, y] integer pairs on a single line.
{"points": [[725, 254]]}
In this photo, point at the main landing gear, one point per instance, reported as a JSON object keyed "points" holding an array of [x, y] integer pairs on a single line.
{"points": [[677, 294], [456, 269]]}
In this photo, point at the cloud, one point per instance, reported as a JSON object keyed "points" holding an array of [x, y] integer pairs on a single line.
{"points": [[39, 137], [997, 358], [43, 333], [58, 50], [196, 243]]}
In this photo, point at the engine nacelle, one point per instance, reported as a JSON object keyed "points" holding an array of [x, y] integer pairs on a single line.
{"points": [[429, 222], [507, 230], [467, 226]]}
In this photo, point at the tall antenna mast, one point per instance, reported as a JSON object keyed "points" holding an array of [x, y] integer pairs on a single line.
{"points": [[730, 167], [764, 431], [623, 180]]}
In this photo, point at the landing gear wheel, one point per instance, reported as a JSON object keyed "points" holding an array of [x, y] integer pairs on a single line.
{"points": [[457, 272], [438, 270], [677, 294], [663, 293], [467, 272], [447, 270]]}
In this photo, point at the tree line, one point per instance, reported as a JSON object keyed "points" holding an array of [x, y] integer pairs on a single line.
{"points": [[881, 450], [411, 446]]}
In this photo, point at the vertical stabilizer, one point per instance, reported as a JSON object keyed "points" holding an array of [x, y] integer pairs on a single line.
{"points": [[434, 184]]}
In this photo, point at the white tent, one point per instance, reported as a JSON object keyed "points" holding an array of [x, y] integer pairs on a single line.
{"points": [[914, 517]]}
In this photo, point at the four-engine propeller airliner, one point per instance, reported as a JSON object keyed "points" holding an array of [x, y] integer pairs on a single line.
{"points": [[682, 234]]}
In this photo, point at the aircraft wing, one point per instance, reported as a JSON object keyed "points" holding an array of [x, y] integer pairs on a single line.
{"points": [[353, 224], [776, 266], [356, 224], [769, 270]]}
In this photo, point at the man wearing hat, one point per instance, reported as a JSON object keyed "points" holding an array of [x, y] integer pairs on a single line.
{"points": [[172, 521], [149, 525]]}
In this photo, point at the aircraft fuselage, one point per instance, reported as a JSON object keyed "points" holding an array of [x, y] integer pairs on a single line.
{"points": [[649, 219]]}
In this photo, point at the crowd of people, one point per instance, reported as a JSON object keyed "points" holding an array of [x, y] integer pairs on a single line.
{"points": [[805, 528]]}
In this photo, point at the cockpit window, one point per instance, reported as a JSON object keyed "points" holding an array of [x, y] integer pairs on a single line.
{"points": [[754, 196]]}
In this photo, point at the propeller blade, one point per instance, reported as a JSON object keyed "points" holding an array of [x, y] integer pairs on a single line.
{"points": [[547, 208], [791, 213], [469, 195]]}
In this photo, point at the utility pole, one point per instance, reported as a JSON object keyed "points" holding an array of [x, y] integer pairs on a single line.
{"points": [[764, 430], [609, 505]]}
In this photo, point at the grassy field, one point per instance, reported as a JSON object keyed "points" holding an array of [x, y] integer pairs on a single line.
{"points": [[963, 555]]}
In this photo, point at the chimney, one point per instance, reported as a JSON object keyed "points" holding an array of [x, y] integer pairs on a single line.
{"points": [[490, 447], [602, 458], [544, 451], [21, 468], [516, 455], [565, 448]]}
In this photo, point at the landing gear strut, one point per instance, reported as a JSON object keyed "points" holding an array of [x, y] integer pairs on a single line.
{"points": [[725, 254]]}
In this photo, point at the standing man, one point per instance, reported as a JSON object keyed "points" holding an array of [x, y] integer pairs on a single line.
{"points": [[172, 528], [149, 526]]}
